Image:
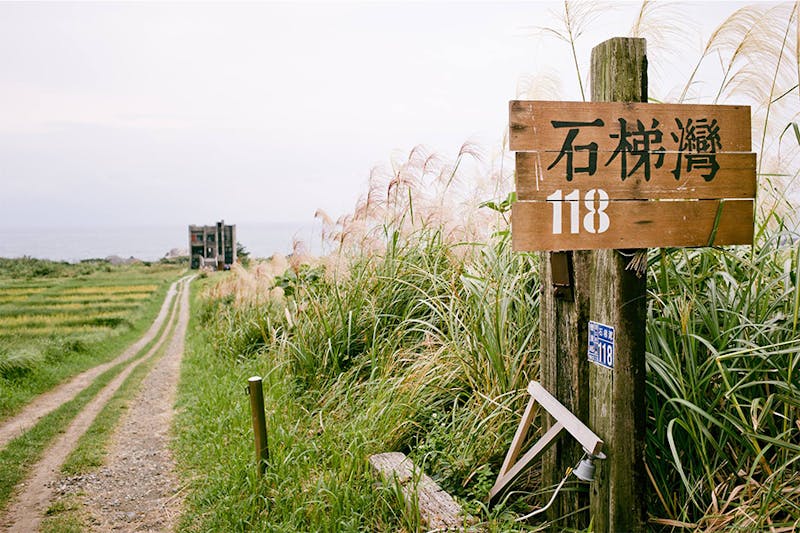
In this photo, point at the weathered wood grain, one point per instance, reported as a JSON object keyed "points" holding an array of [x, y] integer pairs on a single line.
{"points": [[564, 372], [438, 510], [636, 224], [736, 178], [617, 412]]}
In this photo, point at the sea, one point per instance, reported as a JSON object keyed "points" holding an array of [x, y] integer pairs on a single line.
{"points": [[148, 243]]}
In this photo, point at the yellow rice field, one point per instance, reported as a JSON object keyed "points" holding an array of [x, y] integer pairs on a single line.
{"points": [[72, 306], [45, 321], [113, 289]]}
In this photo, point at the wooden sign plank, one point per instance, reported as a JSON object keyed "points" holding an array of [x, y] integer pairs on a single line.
{"points": [[545, 126], [566, 225], [735, 178]]}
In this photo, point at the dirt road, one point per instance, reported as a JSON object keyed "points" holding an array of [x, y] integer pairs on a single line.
{"points": [[137, 490]]}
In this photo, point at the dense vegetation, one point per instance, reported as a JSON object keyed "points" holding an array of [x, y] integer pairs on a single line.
{"points": [[425, 353], [419, 334]]}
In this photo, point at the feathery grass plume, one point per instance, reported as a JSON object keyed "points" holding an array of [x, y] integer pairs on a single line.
{"points": [[300, 255], [754, 54], [254, 285], [665, 26], [575, 17], [544, 85], [327, 223], [757, 53], [761, 66], [422, 190]]}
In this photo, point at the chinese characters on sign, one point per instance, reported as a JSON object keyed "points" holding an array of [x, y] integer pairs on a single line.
{"points": [[595, 175], [701, 137], [644, 147]]}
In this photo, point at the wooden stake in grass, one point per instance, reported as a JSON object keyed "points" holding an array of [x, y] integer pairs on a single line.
{"points": [[256, 392]]}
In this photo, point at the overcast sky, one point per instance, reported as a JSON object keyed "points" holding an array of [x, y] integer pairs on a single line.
{"points": [[124, 114]]}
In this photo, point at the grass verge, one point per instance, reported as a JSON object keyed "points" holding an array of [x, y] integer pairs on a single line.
{"points": [[225, 491]]}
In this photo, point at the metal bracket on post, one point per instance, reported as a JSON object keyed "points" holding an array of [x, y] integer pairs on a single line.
{"points": [[561, 267]]}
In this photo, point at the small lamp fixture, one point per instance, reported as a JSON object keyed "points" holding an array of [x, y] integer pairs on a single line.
{"points": [[585, 468]]}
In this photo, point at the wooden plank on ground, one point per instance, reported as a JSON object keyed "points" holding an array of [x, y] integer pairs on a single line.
{"points": [[438, 510]]}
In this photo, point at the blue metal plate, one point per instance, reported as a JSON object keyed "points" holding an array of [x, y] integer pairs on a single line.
{"points": [[601, 344]]}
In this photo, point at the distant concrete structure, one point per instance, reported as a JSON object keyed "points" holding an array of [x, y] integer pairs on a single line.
{"points": [[213, 246]]}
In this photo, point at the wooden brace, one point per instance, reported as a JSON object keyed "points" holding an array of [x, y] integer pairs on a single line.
{"points": [[565, 420]]}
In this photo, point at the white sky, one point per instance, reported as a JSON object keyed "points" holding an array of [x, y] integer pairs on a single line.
{"points": [[125, 114]]}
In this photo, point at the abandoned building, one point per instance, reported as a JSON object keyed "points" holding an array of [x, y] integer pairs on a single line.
{"points": [[212, 246]]}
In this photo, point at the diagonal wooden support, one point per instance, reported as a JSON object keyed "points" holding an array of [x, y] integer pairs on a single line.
{"points": [[505, 479], [585, 436], [519, 437], [565, 420]]}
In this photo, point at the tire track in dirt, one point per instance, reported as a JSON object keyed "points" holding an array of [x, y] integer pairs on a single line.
{"points": [[26, 510], [51, 400], [137, 489]]}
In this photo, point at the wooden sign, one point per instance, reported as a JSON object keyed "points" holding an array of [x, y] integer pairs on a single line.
{"points": [[631, 175]]}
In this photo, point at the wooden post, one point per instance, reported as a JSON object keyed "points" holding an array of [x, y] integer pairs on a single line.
{"points": [[256, 392], [618, 298], [564, 315], [593, 304]]}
